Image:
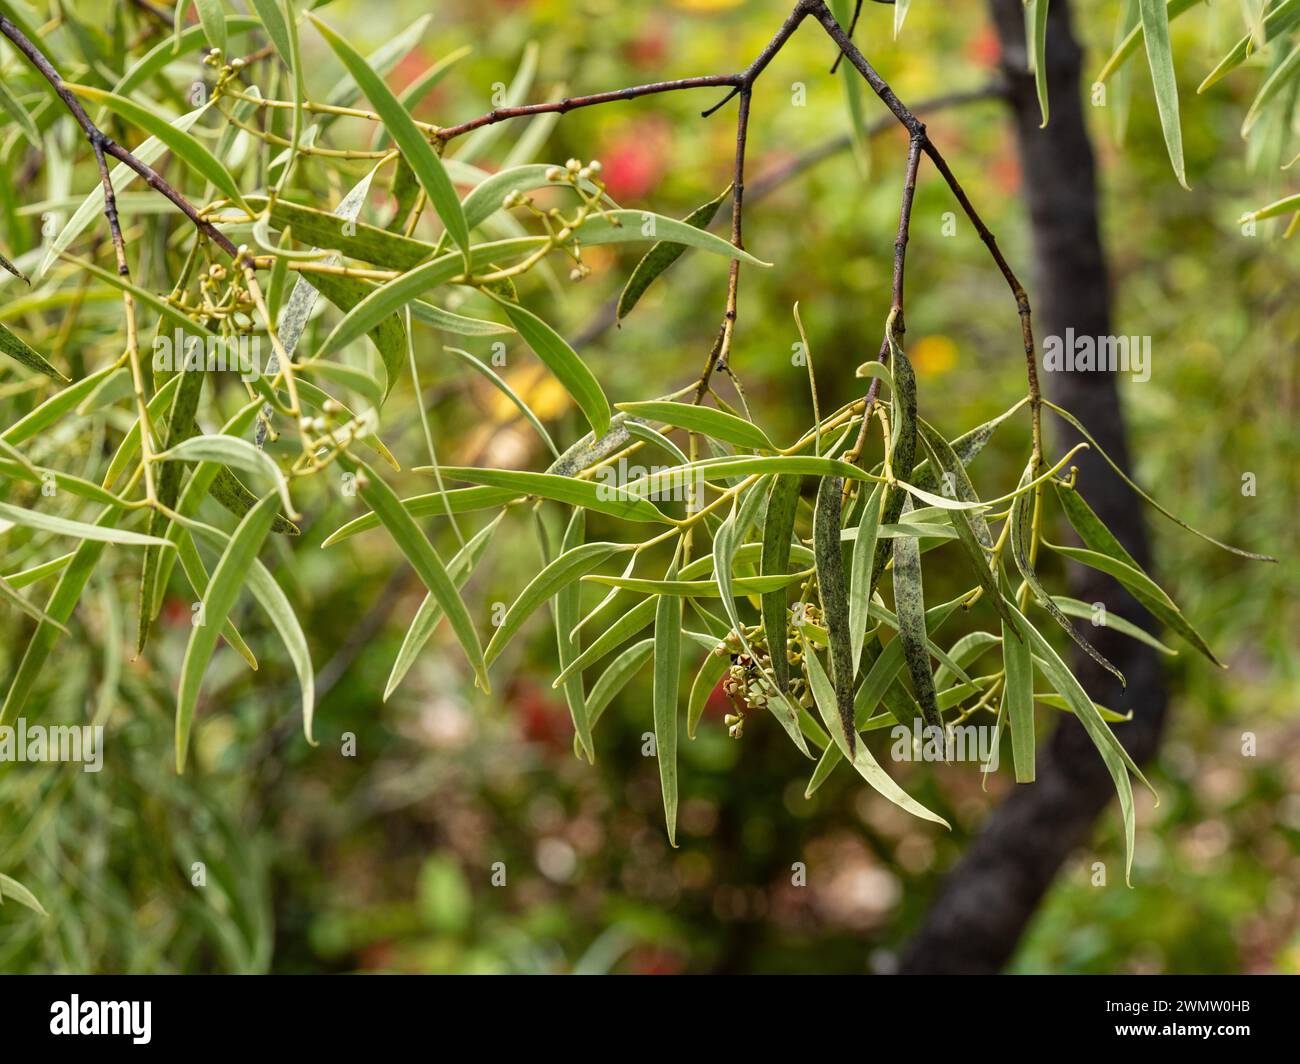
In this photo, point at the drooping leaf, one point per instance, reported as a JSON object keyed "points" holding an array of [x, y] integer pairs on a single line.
{"points": [[18, 349], [712, 669], [563, 361], [663, 255], [835, 598], [227, 579], [667, 679], [419, 552], [418, 152], [11, 888], [1155, 34], [778, 528], [864, 553], [1036, 19], [1018, 700], [909, 600], [714, 423], [604, 498]]}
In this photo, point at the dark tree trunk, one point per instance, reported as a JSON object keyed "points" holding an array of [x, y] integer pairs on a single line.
{"points": [[992, 893]]}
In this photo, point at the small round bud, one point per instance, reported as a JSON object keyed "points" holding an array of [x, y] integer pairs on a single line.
{"points": [[554, 173]]}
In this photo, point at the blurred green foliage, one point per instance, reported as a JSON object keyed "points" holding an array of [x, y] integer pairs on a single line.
{"points": [[386, 860]]}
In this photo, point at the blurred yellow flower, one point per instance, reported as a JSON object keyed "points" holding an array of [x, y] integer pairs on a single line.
{"points": [[933, 355]]}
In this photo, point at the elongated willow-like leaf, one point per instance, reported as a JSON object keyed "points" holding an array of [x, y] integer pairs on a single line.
{"points": [[426, 618], [18, 349], [168, 487], [972, 529], [10, 595], [778, 530], [858, 754], [359, 240], [1282, 76], [1286, 205], [644, 432], [231, 451], [566, 569], [563, 361], [197, 575], [909, 601], [403, 289], [604, 498], [389, 335], [726, 541], [614, 679], [966, 447], [631, 227], [1145, 590], [628, 625], [1021, 520], [1160, 57], [902, 447], [712, 669], [505, 389], [864, 553], [61, 526], [739, 585], [277, 29], [424, 559], [1282, 17], [92, 206], [436, 504], [1073, 607], [717, 424], [568, 611], [1018, 699], [1133, 39], [663, 255], [1078, 425], [227, 579], [835, 597], [486, 198], [15, 891], [1117, 759], [1037, 23], [182, 144], [667, 679], [213, 20], [417, 151]]}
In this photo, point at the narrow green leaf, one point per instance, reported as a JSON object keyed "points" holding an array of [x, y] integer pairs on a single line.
{"points": [[1072, 607], [1074, 421], [1155, 34], [566, 569], [739, 585], [430, 613], [712, 669], [615, 678], [417, 151], [231, 451], [834, 597], [909, 600], [11, 888], [1036, 19], [165, 128], [864, 553], [1018, 700], [628, 625], [563, 361], [1021, 537], [778, 529], [61, 526], [19, 114], [568, 611], [213, 20], [1145, 590], [604, 498], [277, 29], [717, 424], [1282, 17], [18, 349], [667, 679], [631, 227], [858, 754], [436, 504], [1282, 76], [663, 255], [1117, 759], [227, 579], [419, 552]]}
